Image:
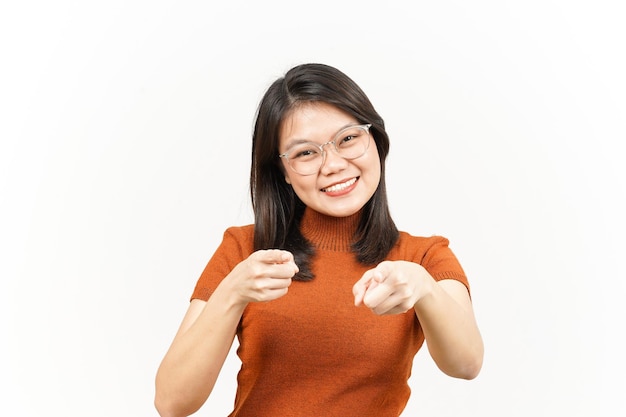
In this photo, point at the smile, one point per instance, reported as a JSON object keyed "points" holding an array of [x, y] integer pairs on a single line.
{"points": [[339, 187]]}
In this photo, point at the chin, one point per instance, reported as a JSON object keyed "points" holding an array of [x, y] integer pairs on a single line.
{"points": [[343, 212]]}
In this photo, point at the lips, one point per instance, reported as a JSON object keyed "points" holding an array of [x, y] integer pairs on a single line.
{"points": [[340, 186]]}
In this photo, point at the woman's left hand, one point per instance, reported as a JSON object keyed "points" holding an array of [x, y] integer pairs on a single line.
{"points": [[392, 287]]}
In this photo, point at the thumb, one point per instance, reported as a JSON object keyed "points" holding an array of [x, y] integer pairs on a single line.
{"points": [[362, 285]]}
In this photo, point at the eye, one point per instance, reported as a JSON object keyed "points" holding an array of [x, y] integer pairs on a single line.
{"points": [[350, 137], [347, 139], [304, 152]]}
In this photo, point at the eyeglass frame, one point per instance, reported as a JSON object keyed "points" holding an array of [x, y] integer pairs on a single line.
{"points": [[365, 126]]}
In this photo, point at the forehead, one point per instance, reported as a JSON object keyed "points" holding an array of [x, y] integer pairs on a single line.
{"points": [[315, 122]]}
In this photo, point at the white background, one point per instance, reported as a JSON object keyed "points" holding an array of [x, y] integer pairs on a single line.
{"points": [[125, 134]]}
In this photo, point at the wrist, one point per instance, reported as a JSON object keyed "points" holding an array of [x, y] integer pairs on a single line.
{"points": [[427, 287], [229, 297]]}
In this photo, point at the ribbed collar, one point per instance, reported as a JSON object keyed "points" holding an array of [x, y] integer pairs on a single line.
{"points": [[327, 232]]}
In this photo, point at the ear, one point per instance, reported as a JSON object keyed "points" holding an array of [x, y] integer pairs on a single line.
{"points": [[287, 180]]}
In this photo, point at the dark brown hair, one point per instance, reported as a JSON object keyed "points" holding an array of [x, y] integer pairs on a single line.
{"points": [[277, 208]]}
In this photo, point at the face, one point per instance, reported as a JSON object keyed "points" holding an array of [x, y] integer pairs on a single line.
{"points": [[341, 187]]}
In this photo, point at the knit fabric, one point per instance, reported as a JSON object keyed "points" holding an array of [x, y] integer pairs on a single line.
{"points": [[313, 353]]}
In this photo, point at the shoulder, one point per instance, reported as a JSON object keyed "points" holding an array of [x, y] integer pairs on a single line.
{"points": [[421, 249], [240, 232], [420, 243], [239, 236]]}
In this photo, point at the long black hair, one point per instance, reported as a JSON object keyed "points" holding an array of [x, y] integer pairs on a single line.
{"points": [[277, 208]]}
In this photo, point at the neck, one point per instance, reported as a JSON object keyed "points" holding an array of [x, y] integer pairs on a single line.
{"points": [[327, 232]]}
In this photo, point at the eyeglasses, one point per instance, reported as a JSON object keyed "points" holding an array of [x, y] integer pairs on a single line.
{"points": [[306, 158]]}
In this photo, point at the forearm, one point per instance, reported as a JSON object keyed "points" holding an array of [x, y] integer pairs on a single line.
{"points": [[191, 366], [450, 329]]}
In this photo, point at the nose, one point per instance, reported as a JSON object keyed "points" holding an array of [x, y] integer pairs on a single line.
{"points": [[333, 162]]}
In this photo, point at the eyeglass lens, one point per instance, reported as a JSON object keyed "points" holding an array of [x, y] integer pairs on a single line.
{"points": [[350, 143]]}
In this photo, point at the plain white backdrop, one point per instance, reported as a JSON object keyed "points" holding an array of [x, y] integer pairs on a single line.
{"points": [[125, 135]]}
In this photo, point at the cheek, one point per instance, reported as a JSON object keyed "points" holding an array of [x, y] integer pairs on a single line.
{"points": [[374, 164], [303, 186]]}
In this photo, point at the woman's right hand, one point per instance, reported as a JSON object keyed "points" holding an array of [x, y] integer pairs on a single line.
{"points": [[264, 276], [190, 368]]}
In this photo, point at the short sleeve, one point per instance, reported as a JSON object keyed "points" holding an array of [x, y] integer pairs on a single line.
{"points": [[434, 254], [237, 244]]}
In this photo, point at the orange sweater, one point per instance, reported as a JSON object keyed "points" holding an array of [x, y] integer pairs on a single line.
{"points": [[312, 352]]}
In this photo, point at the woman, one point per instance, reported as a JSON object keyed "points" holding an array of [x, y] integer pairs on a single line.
{"points": [[328, 300]]}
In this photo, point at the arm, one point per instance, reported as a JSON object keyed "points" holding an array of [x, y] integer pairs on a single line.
{"points": [[452, 336], [443, 308], [192, 364]]}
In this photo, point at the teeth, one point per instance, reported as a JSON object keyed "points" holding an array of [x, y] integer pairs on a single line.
{"points": [[339, 187]]}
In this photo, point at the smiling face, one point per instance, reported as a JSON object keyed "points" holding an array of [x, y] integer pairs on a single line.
{"points": [[341, 187]]}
